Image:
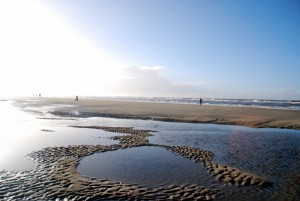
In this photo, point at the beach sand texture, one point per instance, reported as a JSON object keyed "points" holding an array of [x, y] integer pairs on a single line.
{"points": [[246, 116], [56, 176]]}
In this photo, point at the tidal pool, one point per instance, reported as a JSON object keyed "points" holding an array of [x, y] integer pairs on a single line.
{"points": [[147, 166]]}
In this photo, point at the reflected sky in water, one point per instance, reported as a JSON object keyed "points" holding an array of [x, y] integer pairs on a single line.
{"points": [[273, 154], [16, 129], [22, 133], [147, 166]]}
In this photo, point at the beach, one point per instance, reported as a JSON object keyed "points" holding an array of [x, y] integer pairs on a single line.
{"points": [[221, 161], [244, 116]]}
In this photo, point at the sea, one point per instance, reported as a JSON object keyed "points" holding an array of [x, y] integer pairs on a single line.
{"points": [[256, 103]]}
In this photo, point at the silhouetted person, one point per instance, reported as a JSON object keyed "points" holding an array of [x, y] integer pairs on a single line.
{"points": [[200, 101], [76, 99], [40, 95]]}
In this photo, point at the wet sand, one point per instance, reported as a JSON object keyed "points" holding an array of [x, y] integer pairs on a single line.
{"points": [[252, 117], [56, 176]]}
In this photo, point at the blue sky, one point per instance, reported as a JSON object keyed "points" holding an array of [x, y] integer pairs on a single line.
{"points": [[226, 49]]}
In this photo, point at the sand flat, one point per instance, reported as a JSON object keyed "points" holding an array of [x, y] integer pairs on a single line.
{"points": [[252, 117]]}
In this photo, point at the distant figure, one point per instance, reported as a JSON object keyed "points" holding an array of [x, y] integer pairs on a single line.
{"points": [[40, 95], [200, 101], [76, 99]]}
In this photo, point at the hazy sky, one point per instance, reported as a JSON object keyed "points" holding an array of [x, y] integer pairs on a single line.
{"points": [[201, 48]]}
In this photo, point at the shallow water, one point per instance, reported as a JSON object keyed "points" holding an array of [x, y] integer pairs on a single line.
{"points": [[15, 157], [147, 166], [273, 154], [22, 133]]}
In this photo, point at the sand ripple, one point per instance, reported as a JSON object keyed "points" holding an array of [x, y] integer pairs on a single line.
{"points": [[56, 177]]}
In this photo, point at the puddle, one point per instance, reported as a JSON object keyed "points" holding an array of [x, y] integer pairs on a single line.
{"points": [[147, 166]]}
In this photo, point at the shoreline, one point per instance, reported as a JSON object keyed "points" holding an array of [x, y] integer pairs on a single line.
{"points": [[225, 115], [56, 167]]}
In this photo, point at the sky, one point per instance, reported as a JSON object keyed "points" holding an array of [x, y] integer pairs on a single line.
{"points": [[194, 48]]}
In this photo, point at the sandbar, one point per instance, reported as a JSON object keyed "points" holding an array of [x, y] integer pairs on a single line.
{"points": [[245, 116]]}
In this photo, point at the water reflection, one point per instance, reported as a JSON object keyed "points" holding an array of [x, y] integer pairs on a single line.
{"points": [[16, 127], [21, 133], [270, 153], [147, 166], [244, 146]]}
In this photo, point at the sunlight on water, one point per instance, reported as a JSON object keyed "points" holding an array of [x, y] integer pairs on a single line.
{"points": [[15, 127], [270, 153], [22, 132]]}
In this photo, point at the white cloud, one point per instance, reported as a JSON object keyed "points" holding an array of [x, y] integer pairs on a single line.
{"points": [[147, 81], [157, 68]]}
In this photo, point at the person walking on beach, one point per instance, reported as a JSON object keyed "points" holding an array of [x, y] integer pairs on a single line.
{"points": [[200, 101], [76, 99]]}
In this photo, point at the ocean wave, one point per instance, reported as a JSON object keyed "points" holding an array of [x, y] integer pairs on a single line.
{"points": [[255, 103], [294, 102]]}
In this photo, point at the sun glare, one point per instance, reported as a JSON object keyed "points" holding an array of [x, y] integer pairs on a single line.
{"points": [[15, 127], [40, 53]]}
